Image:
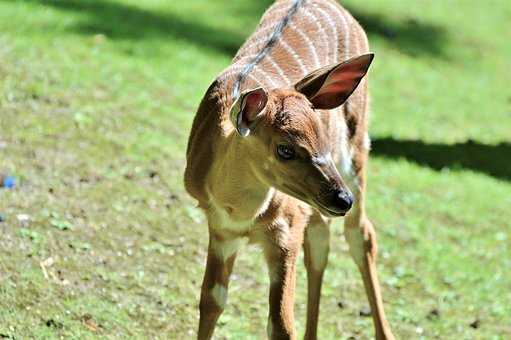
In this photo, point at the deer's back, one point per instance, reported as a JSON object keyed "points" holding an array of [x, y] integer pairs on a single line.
{"points": [[295, 37]]}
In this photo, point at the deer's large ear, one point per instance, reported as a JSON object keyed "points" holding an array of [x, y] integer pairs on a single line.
{"points": [[330, 86], [247, 109]]}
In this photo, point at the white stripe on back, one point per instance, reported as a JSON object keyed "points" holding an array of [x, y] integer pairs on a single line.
{"points": [[309, 43], [346, 29], [295, 56], [333, 26], [323, 34], [265, 50], [232, 70], [265, 75], [235, 68], [278, 69], [327, 22]]}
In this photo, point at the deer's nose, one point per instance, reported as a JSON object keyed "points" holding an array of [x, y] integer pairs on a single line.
{"points": [[343, 200]]}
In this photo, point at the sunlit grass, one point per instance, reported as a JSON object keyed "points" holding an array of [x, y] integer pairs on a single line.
{"points": [[96, 101]]}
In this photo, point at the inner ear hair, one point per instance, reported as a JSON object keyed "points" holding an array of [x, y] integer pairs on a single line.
{"points": [[330, 86], [247, 109]]}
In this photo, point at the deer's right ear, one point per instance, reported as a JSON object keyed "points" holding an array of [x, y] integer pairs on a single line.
{"points": [[247, 109], [330, 86]]}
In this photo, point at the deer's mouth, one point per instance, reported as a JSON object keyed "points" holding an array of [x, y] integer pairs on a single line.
{"points": [[326, 210], [314, 202]]}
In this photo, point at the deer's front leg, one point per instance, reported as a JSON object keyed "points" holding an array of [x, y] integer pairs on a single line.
{"points": [[281, 260], [316, 247], [361, 238], [221, 256]]}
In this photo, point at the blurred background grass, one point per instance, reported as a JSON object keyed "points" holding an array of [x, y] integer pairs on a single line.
{"points": [[100, 239]]}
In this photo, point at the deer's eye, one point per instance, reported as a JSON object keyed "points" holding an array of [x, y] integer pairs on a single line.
{"points": [[285, 152]]}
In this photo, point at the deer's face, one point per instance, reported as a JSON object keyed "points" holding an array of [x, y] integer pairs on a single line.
{"points": [[290, 150], [288, 145]]}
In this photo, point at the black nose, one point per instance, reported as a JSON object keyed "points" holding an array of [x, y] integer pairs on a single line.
{"points": [[343, 200]]}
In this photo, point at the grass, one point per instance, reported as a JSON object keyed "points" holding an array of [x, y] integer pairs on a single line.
{"points": [[96, 100]]}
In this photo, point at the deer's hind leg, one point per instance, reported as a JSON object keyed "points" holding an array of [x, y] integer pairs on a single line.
{"points": [[316, 247], [361, 238]]}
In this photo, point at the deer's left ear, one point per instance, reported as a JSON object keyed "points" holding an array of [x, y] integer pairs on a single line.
{"points": [[247, 109], [330, 86]]}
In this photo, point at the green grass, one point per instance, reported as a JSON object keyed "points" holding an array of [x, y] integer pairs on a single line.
{"points": [[96, 101]]}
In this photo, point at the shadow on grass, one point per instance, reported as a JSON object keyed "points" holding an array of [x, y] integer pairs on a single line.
{"points": [[408, 35], [493, 160], [124, 21]]}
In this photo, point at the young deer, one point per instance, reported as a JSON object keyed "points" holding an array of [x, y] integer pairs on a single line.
{"points": [[277, 150]]}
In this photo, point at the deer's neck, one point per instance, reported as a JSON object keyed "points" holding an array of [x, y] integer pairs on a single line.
{"points": [[233, 186]]}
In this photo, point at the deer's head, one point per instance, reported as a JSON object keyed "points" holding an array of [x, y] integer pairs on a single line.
{"points": [[286, 141]]}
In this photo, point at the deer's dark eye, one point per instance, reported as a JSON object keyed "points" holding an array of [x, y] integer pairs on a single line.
{"points": [[285, 152]]}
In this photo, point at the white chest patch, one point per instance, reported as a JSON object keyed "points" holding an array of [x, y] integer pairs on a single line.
{"points": [[221, 220]]}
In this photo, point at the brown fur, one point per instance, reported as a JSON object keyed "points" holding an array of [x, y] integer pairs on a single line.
{"points": [[233, 177]]}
